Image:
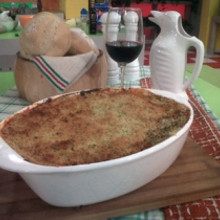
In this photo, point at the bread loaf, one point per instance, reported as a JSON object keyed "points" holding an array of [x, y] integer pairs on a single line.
{"points": [[45, 34], [81, 43]]}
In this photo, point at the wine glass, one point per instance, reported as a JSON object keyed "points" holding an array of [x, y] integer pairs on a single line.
{"points": [[124, 36]]}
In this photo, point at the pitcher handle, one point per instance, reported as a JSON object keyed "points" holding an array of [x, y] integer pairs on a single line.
{"points": [[198, 44]]}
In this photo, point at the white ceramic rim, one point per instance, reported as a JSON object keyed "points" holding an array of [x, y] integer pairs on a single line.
{"points": [[18, 164]]}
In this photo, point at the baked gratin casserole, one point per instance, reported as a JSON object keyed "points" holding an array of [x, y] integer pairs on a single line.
{"points": [[92, 126]]}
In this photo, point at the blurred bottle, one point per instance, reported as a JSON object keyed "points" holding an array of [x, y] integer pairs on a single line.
{"points": [[83, 19], [13, 11], [92, 17], [39, 5]]}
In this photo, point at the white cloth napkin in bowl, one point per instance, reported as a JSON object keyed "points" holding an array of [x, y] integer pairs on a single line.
{"points": [[62, 72]]}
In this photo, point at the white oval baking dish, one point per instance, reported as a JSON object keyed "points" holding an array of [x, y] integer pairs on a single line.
{"points": [[77, 185]]}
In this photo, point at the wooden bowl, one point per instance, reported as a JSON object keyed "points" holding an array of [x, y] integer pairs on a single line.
{"points": [[33, 85]]}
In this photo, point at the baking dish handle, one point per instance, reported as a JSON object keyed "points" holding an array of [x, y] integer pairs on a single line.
{"points": [[11, 161]]}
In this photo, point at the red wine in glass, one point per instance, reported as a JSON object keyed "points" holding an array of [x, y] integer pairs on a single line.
{"points": [[122, 51], [124, 35]]}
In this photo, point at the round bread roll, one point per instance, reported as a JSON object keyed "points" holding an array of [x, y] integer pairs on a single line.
{"points": [[81, 43], [45, 34]]}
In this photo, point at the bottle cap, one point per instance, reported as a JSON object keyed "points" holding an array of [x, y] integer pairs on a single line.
{"points": [[83, 12]]}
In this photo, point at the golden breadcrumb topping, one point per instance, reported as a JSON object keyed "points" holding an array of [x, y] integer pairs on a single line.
{"points": [[93, 126]]}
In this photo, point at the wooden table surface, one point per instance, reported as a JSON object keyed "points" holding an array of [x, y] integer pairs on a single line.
{"points": [[193, 176]]}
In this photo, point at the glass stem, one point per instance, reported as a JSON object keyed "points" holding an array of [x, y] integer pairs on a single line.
{"points": [[122, 75]]}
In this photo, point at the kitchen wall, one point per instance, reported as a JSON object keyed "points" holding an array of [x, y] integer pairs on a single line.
{"points": [[210, 8]]}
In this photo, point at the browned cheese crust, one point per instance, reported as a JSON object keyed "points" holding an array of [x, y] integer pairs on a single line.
{"points": [[93, 126]]}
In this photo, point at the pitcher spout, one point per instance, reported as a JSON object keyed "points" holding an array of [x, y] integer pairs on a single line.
{"points": [[169, 19], [156, 17]]}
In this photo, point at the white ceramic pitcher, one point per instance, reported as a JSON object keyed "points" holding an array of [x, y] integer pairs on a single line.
{"points": [[168, 54]]}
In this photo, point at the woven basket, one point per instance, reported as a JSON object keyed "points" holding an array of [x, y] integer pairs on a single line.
{"points": [[33, 85]]}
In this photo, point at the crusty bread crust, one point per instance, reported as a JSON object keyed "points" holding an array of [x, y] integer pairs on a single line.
{"points": [[45, 34], [93, 126], [81, 43]]}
